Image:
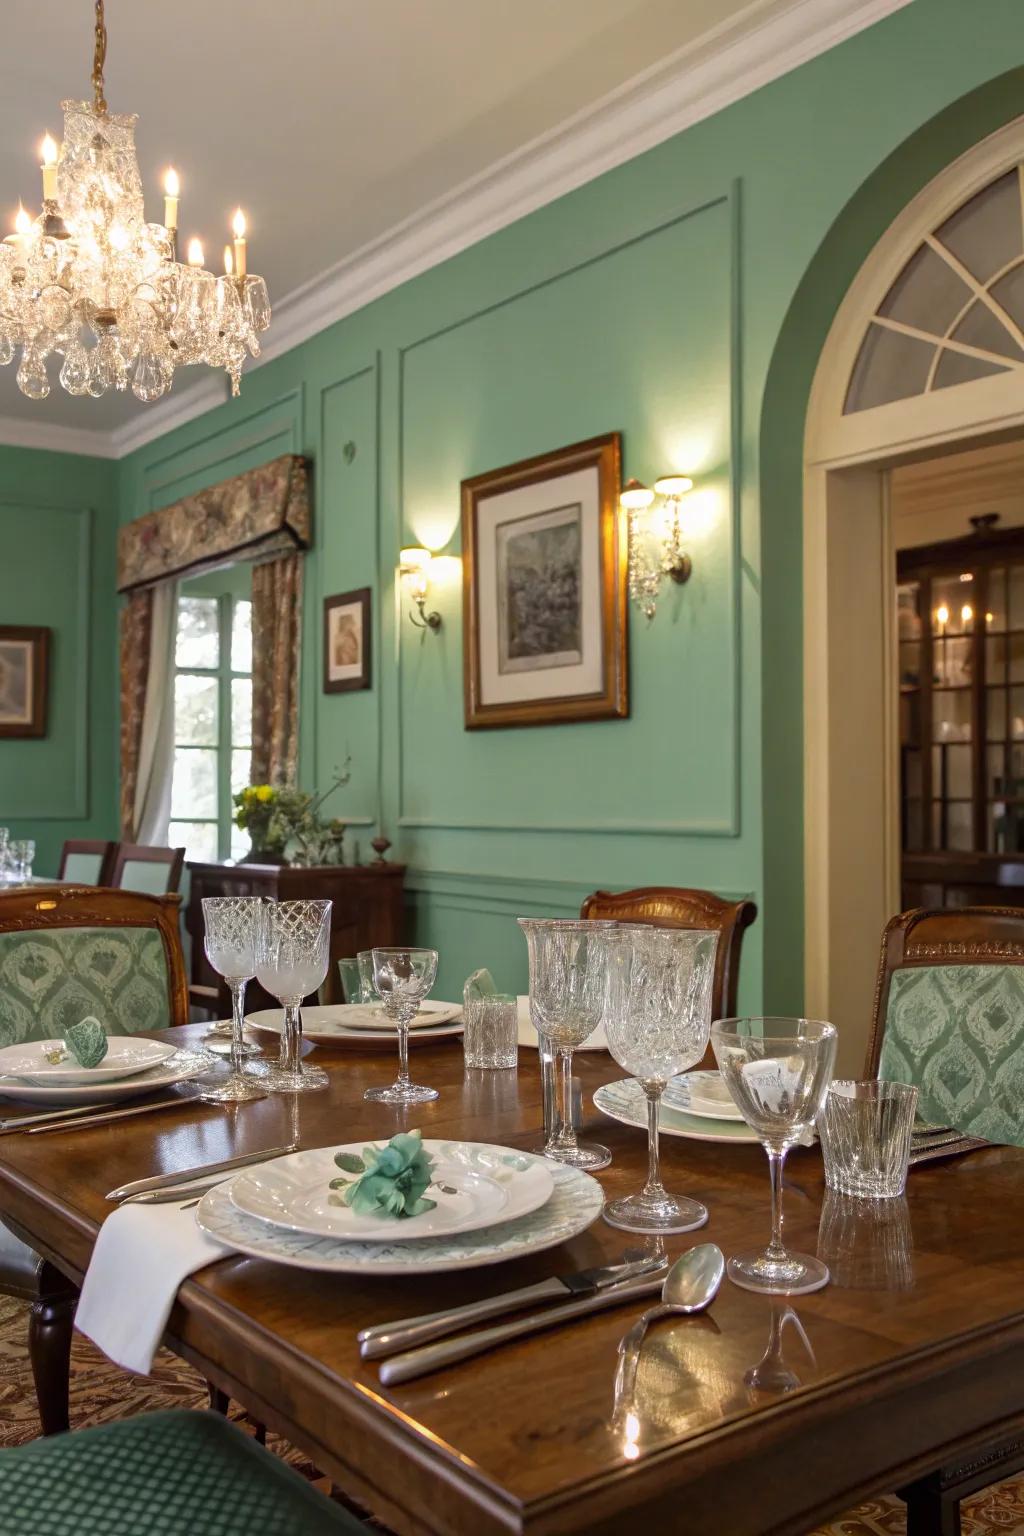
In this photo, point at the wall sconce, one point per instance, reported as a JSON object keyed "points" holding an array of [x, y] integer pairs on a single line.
{"points": [[655, 538], [414, 566]]}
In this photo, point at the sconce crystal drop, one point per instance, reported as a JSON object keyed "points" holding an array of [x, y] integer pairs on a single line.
{"points": [[655, 538]]}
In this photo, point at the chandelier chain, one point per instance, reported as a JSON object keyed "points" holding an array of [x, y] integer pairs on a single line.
{"points": [[98, 60]]}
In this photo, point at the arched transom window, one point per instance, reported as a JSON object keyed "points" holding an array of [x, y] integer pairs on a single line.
{"points": [[956, 311]]}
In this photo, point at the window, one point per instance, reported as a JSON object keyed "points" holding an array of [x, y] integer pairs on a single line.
{"points": [[212, 724], [956, 311]]}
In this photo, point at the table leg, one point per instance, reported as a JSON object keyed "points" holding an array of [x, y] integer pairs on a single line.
{"points": [[50, 1325]]}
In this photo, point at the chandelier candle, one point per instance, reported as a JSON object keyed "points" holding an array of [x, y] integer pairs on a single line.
{"points": [[93, 282]]}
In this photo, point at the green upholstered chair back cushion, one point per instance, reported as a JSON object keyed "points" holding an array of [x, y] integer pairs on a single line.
{"points": [[52, 977], [957, 1031], [161, 1474], [145, 875], [83, 868]]}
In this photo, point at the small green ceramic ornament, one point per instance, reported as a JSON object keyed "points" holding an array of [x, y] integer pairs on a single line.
{"points": [[87, 1041], [392, 1179]]}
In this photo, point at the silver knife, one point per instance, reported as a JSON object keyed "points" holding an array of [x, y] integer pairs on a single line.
{"points": [[193, 1175], [178, 1102], [386, 1338], [22, 1122], [953, 1148], [180, 1192], [418, 1362]]}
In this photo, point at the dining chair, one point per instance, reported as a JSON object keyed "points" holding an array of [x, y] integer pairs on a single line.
{"points": [[86, 862], [139, 867], [68, 951], [671, 906], [165, 1474], [949, 1018]]}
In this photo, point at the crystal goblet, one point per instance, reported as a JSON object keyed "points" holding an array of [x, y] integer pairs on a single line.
{"points": [[403, 977], [232, 924], [777, 1071], [291, 962], [657, 1019], [568, 975]]}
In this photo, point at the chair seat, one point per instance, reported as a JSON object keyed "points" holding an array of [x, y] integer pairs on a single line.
{"points": [[19, 1266], [165, 1474]]}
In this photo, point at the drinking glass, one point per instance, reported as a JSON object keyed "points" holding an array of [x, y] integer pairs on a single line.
{"points": [[369, 990], [865, 1131], [778, 1072], [491, 1029], [351, 981], [232, 924], [21, 854], [657, 1020], [403, 977], [568, 975], [5, 838], [291, 962]]}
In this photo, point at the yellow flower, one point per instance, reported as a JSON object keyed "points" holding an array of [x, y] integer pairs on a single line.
{"points": [[264, 792]]}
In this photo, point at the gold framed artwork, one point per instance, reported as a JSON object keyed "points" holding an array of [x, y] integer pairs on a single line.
{"points": [[24, 679], [347, 641], [544, 589]]}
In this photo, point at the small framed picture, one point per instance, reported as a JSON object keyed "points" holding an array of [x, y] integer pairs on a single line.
{"points": [[544, 589], [347, 641], [24, 679]]}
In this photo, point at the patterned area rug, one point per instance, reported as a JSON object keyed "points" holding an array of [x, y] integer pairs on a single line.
{"points": [[101, 1392]]}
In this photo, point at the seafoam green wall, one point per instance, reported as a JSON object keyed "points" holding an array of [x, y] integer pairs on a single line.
{"points": [[58, 524], [650, 301]]}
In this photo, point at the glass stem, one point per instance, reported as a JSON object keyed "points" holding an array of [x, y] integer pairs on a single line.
{"points": [[563, 1137], [237, 989], [653, 1189], [291, 1039], [403, 1052], [776, 1249]]}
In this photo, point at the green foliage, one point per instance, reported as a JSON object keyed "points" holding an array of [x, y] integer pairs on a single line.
{"points": [[392, 1180]]}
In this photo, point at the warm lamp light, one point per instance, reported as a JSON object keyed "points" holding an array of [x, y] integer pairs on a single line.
{"points": [[414, 564], [655, 538], [195, 252], [48, 152], [172, 191], [22, 221]]}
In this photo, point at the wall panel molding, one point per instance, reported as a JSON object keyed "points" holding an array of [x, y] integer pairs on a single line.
{"points": [[727, 826], [508, 895], [281, 418]]}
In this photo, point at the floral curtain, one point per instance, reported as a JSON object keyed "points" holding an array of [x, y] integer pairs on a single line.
{"points": [[276, 630], [136, 630], [249, 517]]}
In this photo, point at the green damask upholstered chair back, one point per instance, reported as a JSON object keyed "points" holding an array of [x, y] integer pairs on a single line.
{"points": [[66, 952], [949, 1017]]}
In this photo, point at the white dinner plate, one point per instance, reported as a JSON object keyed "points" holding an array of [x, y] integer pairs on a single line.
{"points": [[372, 1015], [326, 1025], [625, 1101], [475, 1186], [126, 1056], [702, 1094], [576, 1202], [176, 1069]]}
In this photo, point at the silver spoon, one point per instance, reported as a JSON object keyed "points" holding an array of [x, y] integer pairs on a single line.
{"points": [[690, 1286]]}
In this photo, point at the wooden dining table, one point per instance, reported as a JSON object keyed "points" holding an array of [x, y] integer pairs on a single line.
{"points": [[911, 1356]]}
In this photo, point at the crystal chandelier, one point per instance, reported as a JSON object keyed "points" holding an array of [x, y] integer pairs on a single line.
{"points": [[92, 283], [655, 538]]}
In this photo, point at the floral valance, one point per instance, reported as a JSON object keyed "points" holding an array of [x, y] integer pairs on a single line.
{"points": [[254, 516]]}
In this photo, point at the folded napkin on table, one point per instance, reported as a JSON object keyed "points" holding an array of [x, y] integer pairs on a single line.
{"points": [[528, 1035], [142, 1255]]}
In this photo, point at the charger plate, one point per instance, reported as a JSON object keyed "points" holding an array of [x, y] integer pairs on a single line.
{"points": [[576, 1202], [326, 1025], [475, 1185], [179, 1068], [126, 1056], [625, 1100]]}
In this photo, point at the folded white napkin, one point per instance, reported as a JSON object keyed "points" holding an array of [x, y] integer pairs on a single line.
{"points": [[142, 1255], [598, 1041]]}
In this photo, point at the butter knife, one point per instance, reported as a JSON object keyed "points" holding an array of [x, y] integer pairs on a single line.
{"points": [[419, 1362], [22, 1122], [179, 1102], [194, 1175], [387, 1338]]}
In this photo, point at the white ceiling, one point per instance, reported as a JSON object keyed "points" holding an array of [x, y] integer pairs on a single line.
{"points": [[334, 121]]}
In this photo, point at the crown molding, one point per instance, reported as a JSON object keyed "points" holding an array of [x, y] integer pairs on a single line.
{"points": [[49, 436], [766, 40]]}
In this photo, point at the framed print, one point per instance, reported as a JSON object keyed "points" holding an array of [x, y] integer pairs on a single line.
{"points": [[544, 589], [24, 679], [347, 641]]}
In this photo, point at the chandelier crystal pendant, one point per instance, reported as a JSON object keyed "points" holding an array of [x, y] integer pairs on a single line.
{"points": [[91, 283]]}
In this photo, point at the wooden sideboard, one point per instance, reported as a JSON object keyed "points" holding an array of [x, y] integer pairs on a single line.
{"points": [[367, 910]]}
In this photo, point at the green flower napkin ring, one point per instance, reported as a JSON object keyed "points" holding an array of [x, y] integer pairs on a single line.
{"points": [[391, 1181], [87, 1041]]}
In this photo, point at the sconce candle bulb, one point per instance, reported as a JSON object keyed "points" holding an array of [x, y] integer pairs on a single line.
{"points": [[414, 565]]}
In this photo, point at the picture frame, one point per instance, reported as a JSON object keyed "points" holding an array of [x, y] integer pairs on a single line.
{"points": [[24, 680], [544, 560], [347, 641]]}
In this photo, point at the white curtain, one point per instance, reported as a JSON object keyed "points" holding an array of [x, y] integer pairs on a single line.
{"points": [[156, 747]]}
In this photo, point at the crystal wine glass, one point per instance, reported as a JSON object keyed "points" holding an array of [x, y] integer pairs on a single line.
{"points": [[403, 977], [568, 973], [232, 923], [778, 1072], [291, 962], [657, 1019]]}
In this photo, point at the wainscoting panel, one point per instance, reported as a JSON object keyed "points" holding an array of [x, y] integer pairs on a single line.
{"points": [[238, 444]]}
